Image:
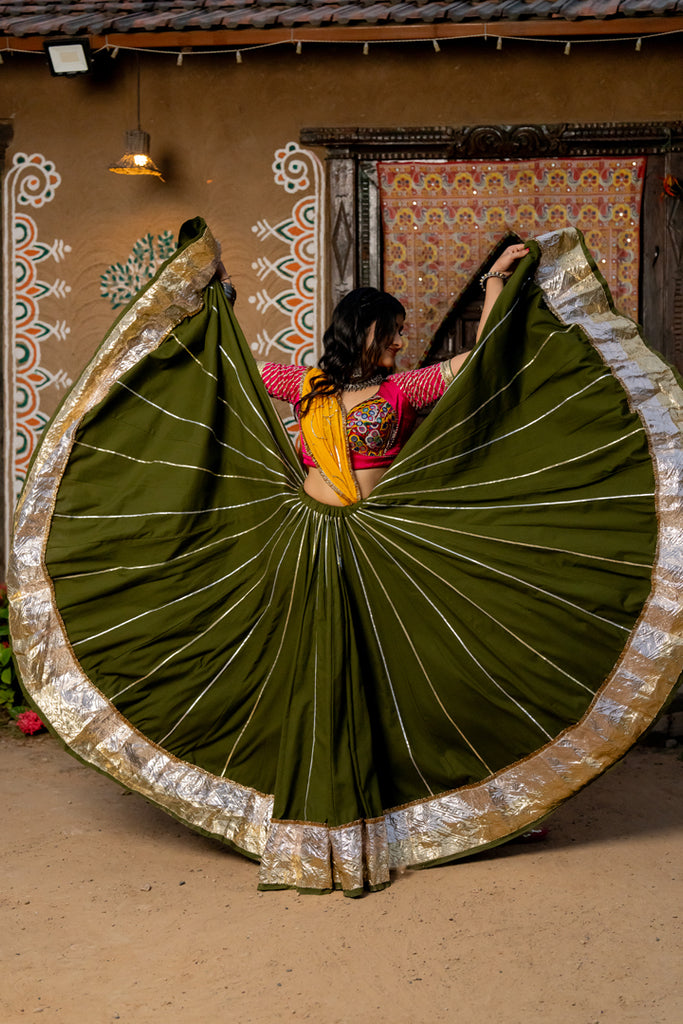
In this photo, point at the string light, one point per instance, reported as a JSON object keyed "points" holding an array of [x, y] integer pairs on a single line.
{"points": [[1, 60], [113, 51], [179, 61], [437, 48], [298, 48]]}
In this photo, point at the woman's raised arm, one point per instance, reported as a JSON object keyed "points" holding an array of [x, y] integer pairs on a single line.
{"points": [[494, 279]]}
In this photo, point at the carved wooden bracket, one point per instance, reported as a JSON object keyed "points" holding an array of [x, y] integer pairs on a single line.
{"points": [[498, 142]]}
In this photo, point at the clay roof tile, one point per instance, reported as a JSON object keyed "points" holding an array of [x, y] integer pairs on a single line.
{"points": [[71, 17]]}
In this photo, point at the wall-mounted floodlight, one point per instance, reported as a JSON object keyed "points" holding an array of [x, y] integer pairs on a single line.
{"points": [[68, 56]]}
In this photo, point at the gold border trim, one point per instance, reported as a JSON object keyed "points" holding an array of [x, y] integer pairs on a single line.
{"points": [[358, 855], [652, 659], [80, 715], [447, 374]]}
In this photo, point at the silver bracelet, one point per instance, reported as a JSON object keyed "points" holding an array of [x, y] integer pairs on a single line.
{"points": [[229, 290], [492, 273]]}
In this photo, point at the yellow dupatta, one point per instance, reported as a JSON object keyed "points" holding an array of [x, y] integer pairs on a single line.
{"points": [[323, 427]]}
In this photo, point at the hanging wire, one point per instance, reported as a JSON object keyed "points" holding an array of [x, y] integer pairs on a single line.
{"points": [[115, 49], [138, 62]]}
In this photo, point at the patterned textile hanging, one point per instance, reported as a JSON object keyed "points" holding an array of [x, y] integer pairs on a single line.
{"points": [[441, 219]]}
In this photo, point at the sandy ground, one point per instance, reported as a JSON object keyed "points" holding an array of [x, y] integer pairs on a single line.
{"points": [[111, 911]]}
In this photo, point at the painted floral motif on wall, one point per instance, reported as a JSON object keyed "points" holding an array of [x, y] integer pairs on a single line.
{"points": [[121, 281], [291, 300], [30, 183], [442, 219]]}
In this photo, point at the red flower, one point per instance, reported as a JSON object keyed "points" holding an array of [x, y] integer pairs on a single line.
{"points": [[29, 722]]}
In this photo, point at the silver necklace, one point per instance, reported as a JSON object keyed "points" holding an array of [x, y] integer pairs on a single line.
{"points": [[361, 385]]}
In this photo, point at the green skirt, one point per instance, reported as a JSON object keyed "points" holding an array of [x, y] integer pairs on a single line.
{"points": [[339, 692]]}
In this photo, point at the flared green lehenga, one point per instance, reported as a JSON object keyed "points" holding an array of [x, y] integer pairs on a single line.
{"points": [[340, 691]]}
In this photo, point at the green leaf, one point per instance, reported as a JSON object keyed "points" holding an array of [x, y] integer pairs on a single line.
{"points": [[11, 698]]}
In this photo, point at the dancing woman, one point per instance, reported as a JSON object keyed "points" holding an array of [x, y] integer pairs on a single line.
{"points": [[409, 651], [354, 417]]}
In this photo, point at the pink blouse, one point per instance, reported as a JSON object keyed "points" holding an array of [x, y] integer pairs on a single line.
{"points": [[378, 427]]}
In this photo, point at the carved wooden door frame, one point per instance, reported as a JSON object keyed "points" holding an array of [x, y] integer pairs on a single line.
{"points": [[353, 228]]}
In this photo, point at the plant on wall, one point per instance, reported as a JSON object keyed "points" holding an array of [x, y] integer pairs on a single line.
{"points": [[121, 281]]}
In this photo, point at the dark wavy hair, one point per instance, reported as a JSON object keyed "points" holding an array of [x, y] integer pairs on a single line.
{"points": [[346, 355]]}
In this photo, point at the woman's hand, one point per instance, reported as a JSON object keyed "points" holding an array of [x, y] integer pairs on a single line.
{"points": [[501, 270], [509, 257], [224, 279], [221, 273]]}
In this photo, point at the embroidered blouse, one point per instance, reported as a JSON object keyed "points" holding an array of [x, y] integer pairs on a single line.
{"points": [[378, 427]]}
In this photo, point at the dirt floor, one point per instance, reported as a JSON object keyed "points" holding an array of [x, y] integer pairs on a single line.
{"points": [[111, 911]]}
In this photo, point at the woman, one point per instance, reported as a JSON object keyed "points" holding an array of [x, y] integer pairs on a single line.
{"points": [[358, 667], [373, 414]]}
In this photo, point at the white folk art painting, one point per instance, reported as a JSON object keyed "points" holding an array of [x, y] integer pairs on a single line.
{"points": [[29, 184]]}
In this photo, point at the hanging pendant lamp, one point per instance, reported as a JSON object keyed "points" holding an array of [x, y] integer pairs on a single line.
{"points": [[136, 158]]}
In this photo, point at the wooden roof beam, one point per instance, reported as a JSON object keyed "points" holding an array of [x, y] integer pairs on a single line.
{"points": [[236, 38]]}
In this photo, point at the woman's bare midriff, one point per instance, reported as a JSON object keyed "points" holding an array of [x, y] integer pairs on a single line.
{"points": [[315, 484], [317, 487]]}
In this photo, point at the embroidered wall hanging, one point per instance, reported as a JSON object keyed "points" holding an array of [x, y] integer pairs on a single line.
{"points": [[441, 219]]}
